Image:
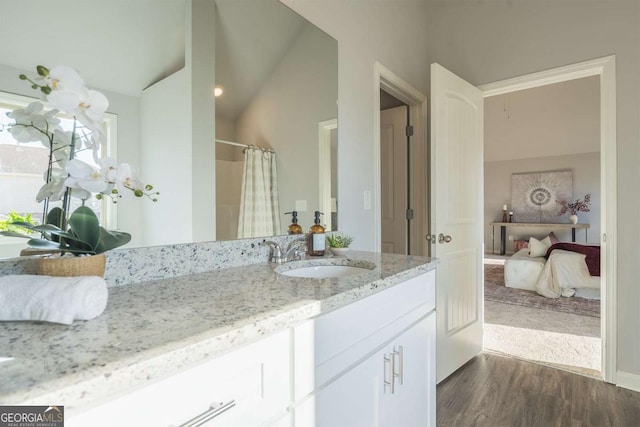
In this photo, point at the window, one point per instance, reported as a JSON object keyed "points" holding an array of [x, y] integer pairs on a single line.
{"points": [[23, 165]]}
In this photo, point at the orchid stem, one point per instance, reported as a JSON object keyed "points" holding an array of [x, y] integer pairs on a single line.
{"points": [[66, 201]]}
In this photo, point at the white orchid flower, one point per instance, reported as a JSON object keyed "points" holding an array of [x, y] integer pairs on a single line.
{"points": [[24, 114], [25, 133], [31, 125], [67, 89], [84, 177], [61, 138], [62, 77], [94, 106], [109, 168], [69, 94], [55, 188], [127, 179]]}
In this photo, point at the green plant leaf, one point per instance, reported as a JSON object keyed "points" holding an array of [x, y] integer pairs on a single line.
{"points": [[42, 243], [54, 217], [50, 229], [111, 240], [14, 234], [85, 226], [48, 244], [43, 228]]}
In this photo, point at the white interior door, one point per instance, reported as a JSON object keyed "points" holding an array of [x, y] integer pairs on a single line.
{"points": [[456, 225], [393, 180]]}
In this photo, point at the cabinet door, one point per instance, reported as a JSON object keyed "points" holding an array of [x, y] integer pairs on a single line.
{"points": [[352, 400], [414, 398]]}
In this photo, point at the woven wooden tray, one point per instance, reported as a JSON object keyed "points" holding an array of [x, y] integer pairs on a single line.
{"points": [[93, 265]]}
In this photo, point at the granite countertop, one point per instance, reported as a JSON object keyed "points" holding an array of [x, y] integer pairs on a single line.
{"points": [[153, 329]]}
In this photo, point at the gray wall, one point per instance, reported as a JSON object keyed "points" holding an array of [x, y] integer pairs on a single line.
{"points": [[485, 42], [497, 192], [393, 33], [281, 117]]}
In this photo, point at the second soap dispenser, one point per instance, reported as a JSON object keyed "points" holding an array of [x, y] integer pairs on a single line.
{"points": [[316, 239]]}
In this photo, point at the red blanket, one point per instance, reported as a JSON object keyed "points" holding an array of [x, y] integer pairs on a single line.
{"points": [[592, 254]]}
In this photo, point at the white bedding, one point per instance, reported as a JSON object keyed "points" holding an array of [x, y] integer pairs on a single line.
{"points": [[522, 271], [563, 273]]}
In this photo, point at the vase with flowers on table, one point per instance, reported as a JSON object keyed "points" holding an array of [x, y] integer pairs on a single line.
{"points": [[579, 205]]}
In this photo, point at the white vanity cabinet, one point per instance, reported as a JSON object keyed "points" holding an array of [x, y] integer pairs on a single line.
{"points": [[251, 383], [369, 363], [373, 361]]}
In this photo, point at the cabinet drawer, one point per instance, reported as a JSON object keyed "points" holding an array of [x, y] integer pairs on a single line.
{"points": [[341, 328], [255, 378], [333, 340]]}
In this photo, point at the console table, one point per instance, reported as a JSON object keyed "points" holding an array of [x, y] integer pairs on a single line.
{"points": [[503, 231]]}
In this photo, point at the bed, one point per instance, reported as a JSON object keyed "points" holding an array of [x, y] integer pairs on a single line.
{"points": [[567, 269], [522, 271]]}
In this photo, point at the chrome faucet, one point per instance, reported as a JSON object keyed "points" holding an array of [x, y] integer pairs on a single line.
{"points": [[292, 253]]}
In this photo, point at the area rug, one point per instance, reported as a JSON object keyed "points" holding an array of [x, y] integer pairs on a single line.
{"points": [[495, 290]]}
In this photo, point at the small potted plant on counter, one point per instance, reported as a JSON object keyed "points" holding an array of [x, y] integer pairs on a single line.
{"points": [[339, 243]]}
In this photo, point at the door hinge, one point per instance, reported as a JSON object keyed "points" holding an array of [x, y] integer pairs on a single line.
{"points": [[409, 214], [409, 130]]}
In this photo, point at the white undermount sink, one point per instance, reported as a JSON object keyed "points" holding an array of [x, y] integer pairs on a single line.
{"points": [[324, 270]]}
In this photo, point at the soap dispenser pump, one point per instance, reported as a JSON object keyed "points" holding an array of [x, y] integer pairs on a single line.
{"points": [[316, 242], [294, 227]]}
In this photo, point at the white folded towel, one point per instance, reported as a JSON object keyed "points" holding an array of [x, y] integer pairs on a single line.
{"points": [[52, 299]]}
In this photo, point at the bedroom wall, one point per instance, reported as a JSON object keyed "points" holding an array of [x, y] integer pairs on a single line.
{"points": [[485, 42], [497, 192]]}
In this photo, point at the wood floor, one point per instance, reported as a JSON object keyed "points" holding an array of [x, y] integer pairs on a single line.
{"points": [[496, 391]]}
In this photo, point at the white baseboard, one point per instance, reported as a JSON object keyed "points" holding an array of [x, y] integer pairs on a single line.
{"points": [[627, 380]]}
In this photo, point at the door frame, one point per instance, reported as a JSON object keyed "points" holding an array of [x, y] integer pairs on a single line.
{"points": [[324, 169], [604, 67], [393, 84]]}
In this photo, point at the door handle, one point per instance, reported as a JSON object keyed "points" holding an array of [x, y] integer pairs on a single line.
{"points": [[444, 239], [431, 238]]}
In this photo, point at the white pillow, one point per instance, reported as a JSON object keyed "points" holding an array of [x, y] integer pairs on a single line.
{"points": [[538, 248]]}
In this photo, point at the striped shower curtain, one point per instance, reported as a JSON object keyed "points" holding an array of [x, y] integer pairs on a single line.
{"points": [[259, 207]]}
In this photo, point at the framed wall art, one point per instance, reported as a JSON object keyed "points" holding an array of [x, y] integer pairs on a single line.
{"points": [[534, 195]]}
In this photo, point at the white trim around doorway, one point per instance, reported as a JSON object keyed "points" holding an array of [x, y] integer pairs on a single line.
{"points": [[393, 84], [605, 68], [324, 169]]}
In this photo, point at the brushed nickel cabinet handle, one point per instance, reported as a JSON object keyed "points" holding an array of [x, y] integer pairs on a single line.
{"points": [[392, 367], [214, 410], [400, 374]]}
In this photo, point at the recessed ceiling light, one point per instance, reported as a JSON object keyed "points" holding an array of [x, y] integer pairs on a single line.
{"points": [[217, 91]]}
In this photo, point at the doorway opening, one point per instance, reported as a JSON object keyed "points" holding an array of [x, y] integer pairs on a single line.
{"points": [[544, 138], [395, 173], [401, 176], [585, 330]]}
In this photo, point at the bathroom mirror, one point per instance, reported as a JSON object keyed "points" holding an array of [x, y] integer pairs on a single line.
{"points": [[278, 71], [278, 74]]}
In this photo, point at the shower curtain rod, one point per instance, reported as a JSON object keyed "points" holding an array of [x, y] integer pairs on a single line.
{"points": [[237, 144]]}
